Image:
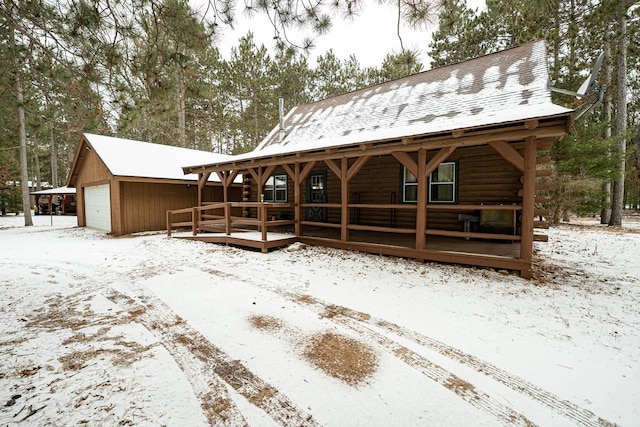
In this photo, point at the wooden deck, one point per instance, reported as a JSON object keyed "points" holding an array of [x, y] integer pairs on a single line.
{"points": [[267, 232], [246, 239]]}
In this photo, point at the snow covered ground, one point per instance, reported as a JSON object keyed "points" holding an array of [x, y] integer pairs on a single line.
{"points": [[147, 330]]}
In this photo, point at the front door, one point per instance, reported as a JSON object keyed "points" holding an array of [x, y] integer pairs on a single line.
{"points": [[317, 193]]}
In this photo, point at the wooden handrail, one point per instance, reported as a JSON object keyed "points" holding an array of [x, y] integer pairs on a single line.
{"points": [[262, 222], [383, 206], [492, 236], [475, 207]]}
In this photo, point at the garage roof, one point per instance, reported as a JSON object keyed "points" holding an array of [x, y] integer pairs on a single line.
{"points": [[138, 159]]}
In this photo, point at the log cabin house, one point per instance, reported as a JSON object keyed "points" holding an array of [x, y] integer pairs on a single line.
{"points": [[447, 165], [125, 186]]}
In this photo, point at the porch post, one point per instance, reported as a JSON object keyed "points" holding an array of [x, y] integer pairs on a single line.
{"points": [[528, 204], [260, 186], [297, 196], [344, 198], [421, 211], [225, 186], [200, 189]]}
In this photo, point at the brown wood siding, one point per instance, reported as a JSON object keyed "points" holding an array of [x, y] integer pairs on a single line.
{"points": [[484, 177], [144, 204]]}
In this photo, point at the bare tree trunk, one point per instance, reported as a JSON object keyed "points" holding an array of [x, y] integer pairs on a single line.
{"points": [[617, 204], [182, 120], [24, 172], [605, 213], [255, 121], [38, 178], [54, 162]]}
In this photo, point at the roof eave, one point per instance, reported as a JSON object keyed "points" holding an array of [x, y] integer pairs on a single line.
{"points": [[407, 143]]}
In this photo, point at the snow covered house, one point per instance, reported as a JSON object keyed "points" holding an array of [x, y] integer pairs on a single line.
{"points": [[445, 165], [125, 186]]}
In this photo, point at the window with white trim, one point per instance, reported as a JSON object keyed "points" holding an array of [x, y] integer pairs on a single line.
{"points": [[409, 186], [275, 189], [442, 186]]}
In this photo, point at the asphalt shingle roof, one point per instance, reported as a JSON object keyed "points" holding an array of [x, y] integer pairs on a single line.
{"points": [[503, 87]]}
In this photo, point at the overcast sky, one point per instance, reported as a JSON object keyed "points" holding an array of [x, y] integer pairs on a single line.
{"points": [[370, 36]]}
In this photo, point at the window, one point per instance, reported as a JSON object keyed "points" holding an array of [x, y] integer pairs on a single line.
{"points": [[442, 185], [275, 189], [409, 187]]}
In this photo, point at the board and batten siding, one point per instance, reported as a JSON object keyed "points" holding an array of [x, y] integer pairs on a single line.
{"points": [[484, 177], [145, 204]]}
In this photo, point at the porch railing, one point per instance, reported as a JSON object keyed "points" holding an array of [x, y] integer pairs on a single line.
{"points": [[216, 217], [428, 231]]}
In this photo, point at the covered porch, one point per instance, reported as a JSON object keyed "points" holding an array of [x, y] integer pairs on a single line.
{"points": [[267, 225]]}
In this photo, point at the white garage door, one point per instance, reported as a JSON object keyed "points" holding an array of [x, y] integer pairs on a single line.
{"points": [[97, 207]]}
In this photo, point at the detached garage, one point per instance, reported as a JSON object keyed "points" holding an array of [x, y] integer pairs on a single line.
{"points": [[125, 186]]}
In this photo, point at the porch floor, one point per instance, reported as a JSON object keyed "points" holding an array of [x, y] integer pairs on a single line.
{"points": [[435, 243], [284, 237], [249, 238]]}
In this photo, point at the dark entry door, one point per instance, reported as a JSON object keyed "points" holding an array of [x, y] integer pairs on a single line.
{"points": [[317, 193]]}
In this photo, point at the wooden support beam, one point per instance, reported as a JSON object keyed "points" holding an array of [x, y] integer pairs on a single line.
{"points": [[297, 200], [356, 166], [435, 162], [203, 178], [334, 167], [202, 181], [225, 185], [288, 170], [268, 171], [407, 161], [508, 153], [254, 175], [344, 200], [306, 171], [531, 124], [528, 205], [232, 175], [421, 212]]}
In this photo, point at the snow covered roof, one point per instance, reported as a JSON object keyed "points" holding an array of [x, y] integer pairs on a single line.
{"points": [[504, 87], [126, 157], [57, 190]]}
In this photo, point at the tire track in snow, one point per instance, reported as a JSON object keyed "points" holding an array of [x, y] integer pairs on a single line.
{"points": [[207, 367], [357, 321], [457, 385], [361, 321]]}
